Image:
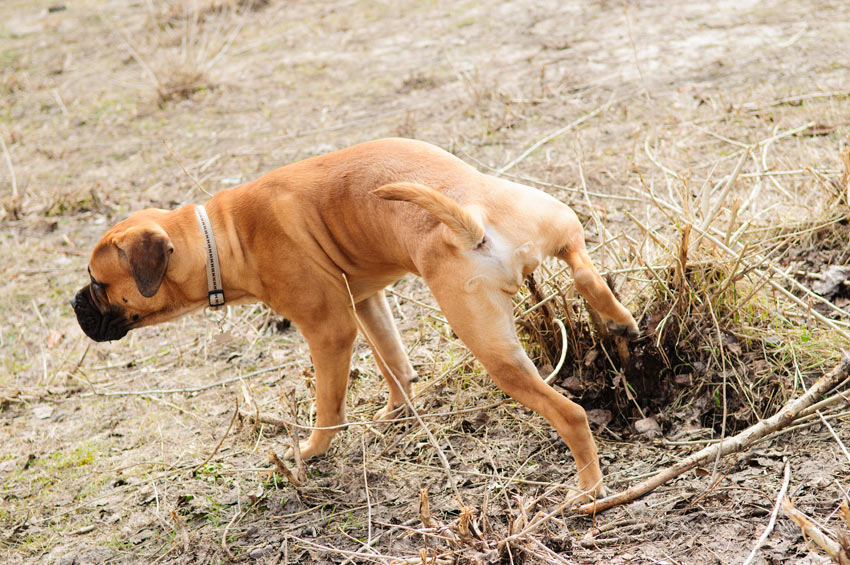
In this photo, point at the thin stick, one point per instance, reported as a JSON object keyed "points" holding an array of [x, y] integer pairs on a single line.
{"points": [[440, 454], [826, 423], [217, 447], [767, 531], [361, 555], [181, 529], [377, 538], [227, 528], [133, 51], [730, 182], [564, 344], [826, 402], [798, 98], [834, 435], [293, 434], [811, 531], [281, 468], [635, 55], [536, 523], [368, 498], [190, 175], [186, 390], [790, 412], [546, 139]]}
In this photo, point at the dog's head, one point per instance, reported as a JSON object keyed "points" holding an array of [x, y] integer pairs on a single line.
{"points": [[127, 272]]}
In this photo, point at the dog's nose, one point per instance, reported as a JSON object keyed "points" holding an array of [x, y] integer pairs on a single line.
{"points": [[73, 302]]}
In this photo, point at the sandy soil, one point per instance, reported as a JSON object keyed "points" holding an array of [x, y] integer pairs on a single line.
{"points": [[108, 451]]}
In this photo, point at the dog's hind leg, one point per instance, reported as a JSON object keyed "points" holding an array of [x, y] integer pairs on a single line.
{"points": [[330, 338], [383, 337], [483, 319], [591, 286]]}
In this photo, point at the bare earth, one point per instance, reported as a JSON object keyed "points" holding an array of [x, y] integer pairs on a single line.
{"points": [[123, 452]]}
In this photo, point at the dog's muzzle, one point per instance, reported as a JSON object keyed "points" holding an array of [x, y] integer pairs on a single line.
{"points": [[99, 326]]}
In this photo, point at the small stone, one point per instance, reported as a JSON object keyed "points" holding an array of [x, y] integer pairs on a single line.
{"points": [[648, 426], [43, 412], [260, 552]]}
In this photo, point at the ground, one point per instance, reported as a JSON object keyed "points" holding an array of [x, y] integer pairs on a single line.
{"points": [[646, 117]]}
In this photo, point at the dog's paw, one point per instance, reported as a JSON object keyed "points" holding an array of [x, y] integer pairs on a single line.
{"points": [[629, 331], [590, 494], [390, 412], [308, 449]]}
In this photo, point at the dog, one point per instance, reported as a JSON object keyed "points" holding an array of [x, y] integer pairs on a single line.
{"points": [[319, 240]]}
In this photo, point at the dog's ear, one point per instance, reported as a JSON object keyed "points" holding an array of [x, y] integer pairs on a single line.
{"points": [[146, 251]]}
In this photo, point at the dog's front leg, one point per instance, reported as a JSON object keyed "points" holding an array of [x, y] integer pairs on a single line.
{"points": [[383, 337], [330, 338]]}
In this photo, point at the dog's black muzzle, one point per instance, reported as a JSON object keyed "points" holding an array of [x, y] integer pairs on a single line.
{"points": [[99, 326]]}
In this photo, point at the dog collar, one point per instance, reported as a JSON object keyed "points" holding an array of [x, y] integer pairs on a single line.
{"points": [[216, 291]]}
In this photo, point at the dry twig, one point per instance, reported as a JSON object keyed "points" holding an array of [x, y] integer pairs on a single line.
{"points": [[557, 133], [838, 552], [439, 450], [226, 433], [189, 389], [767, 531]]}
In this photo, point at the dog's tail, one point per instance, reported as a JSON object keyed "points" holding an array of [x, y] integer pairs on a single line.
{"points": [[468, 231]]}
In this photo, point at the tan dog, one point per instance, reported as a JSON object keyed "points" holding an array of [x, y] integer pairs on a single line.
{"points": [[288, 238]]}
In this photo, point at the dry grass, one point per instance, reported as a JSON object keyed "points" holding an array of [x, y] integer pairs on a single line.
{"points": [[714, 198]]}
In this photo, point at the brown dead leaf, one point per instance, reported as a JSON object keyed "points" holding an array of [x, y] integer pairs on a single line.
{"points": [[573, 384], [599, 417]]}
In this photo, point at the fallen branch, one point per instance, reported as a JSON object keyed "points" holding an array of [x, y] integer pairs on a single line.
{"points": [[734, 444], [836, 551]]}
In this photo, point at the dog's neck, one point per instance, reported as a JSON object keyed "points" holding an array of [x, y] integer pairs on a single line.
{"points": [[188, 264]]}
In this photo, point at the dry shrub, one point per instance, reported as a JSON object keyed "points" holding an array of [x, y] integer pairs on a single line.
{"points": [[186, 41], [727, 335], [169, 13], [181, 84]]}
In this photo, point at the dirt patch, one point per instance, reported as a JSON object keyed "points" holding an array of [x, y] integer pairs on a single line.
{"points": [[729, 117]]}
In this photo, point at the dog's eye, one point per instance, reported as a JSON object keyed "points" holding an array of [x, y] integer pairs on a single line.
{"points": [[98, 290]]}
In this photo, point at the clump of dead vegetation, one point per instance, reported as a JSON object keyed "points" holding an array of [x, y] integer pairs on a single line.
{"points": [[186, 41], [728, 335]]}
